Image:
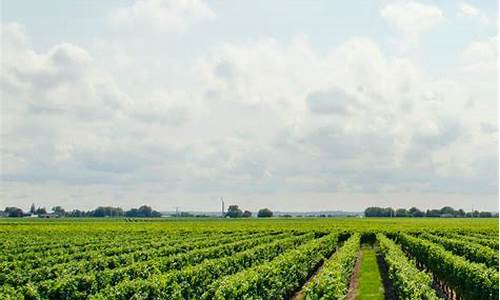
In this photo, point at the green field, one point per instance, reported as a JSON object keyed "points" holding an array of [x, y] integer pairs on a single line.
{"points": [[370, 280], [246, 259]]}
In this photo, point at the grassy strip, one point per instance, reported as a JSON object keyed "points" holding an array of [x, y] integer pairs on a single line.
{"points": [[408, 281], [370, 281], [333, 280]]}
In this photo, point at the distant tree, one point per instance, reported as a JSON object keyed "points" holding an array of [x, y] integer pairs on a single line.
{"points": [[388, 212], [246, 214], [461, 213], [143, 212], [374, 212], [76, 213], [41, 211], [485, 214], [415, 212], [448, 210], [433, 213], [234, 211], [106, 211], [132, 213], [265, 213], [475, 214], [401, 212], [32, 209], [379, 212], [58, 210], [13, 212]]}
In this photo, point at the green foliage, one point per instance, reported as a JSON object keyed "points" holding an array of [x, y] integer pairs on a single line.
{"points": [[408, 281], [467, 249], [234, 211], [264, 213], [471, 280], [279, 278], [146, 258], [333, 280]]}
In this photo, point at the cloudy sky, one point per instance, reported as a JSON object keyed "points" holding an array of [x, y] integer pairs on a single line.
{"points": [[292, 105]]}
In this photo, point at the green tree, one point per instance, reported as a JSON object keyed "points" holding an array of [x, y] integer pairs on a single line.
{"points": [[234, 211], [13, 212], [448, 210], [415, 212], [374, 212], [485, 214], [433, 213], [265, 213], [401, 212], [144, 211], [388, 212], [41, 211], [247, 214], [58, 210], [132, 213]]}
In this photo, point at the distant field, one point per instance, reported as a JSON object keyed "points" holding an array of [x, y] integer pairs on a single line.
{"points": [[287, 258]]}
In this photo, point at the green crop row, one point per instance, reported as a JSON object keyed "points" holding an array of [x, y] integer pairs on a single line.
{"points": [[193, 281], [470, 280], [333, 280], [13, 275], [467, 249], [279, 278], [408, 281]]}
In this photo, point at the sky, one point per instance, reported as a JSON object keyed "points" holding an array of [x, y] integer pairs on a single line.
{"points": [[291, 105]]}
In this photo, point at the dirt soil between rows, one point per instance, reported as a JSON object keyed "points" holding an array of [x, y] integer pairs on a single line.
{"points": [[353, 285]]}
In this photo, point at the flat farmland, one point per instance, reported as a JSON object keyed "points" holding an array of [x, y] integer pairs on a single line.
{"points": [[274, 258]]}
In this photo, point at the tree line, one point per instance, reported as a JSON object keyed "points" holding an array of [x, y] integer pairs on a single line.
{"points": [[234, 211], [143, 211], [414, 212]]}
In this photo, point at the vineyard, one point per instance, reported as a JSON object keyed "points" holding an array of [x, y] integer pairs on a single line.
{"points": [[293, 258]]}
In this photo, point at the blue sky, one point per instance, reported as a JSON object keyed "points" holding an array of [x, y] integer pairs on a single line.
{"points": [[294, 105]]}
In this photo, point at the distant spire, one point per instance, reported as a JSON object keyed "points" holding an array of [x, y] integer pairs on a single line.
{"points": [[222, 202]]}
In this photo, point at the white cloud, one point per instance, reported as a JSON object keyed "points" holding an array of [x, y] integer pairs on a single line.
{"points": [[334, 101], [411, 18], [388, 117], [481, 52], [468, 11], [163, 15], [259, 116]]}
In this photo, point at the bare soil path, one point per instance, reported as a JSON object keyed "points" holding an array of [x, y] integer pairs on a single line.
{"points": [[353, 285]]}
